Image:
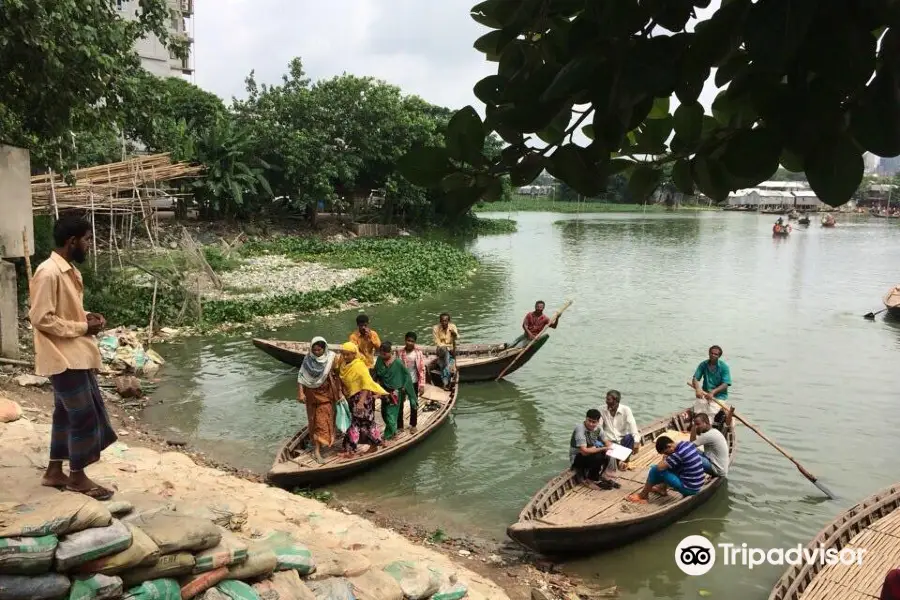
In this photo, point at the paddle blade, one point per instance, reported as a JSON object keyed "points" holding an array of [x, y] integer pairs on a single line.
{"points": [[825, 490], [869, 316]]}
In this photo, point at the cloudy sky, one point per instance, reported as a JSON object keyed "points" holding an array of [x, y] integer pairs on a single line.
{"points": [[422, 46]]}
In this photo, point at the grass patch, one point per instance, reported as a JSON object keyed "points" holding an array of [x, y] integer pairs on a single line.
{"points": [[438, 536], [321, 495], [495, 226], [547, 205]]}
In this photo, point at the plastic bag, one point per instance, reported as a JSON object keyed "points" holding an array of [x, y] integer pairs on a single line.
{"points": [[230, 551], [291, 554], [96, 587], [160, 589], [342, 416], [78, 548], [27, 555], [237, 590], [143, 552], [43, 587]]}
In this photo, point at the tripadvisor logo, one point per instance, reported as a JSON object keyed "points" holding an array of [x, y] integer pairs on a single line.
{"points": [[695, 555]]}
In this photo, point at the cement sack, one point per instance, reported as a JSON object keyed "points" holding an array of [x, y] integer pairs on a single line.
{"points": [[169, 566], [237, 590], [260, 563], [142, 552], [50, 586], [417, 581], [231, 550], [231, 514], [336, 588], [9, 410], [454, 591], [66, 512], [213, 594], [27, 555], [119, 507], [284, 585], [289, 553], [174, 532], [197, 584], [159, 589], [78, 548], [96, 587]]}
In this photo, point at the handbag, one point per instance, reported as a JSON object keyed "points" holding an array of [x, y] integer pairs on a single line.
{"points": [[342, 415]]}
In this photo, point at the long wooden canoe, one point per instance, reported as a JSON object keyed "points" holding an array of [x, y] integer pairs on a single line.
{"points": [[295, 467], [873, 525], [567, 516], [892, 302], [475, 362]]}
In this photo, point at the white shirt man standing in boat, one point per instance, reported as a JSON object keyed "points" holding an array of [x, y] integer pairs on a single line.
{"points": [[587, 451], [715, 377], [715, 447], [619, 425]]}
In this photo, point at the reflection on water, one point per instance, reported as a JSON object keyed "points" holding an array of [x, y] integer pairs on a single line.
{"points": [[651, 293]]}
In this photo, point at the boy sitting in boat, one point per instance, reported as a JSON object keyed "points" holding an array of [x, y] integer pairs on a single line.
{"points": [[715, 447], [680, 469], [587, 451]]}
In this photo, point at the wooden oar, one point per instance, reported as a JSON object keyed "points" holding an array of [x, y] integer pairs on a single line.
{"points": [[800, 468], [536, 338], [871, 315]]}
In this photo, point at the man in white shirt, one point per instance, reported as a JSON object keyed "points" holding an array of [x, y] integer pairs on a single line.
{"points": [[619, 425]]}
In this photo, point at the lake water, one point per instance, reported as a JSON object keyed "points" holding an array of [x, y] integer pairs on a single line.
{"points": [[651, 293]]}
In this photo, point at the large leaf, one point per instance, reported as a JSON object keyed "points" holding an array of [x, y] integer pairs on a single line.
{"points": [[681, 176], [689, 122], [752, 154], [425, 166], [465, 136], [643, 181], [711, 177], [875, 122], [527, 170], [571, 164], [834, 170]]}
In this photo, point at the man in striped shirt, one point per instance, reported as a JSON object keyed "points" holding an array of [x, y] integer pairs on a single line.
{"points": [[681, 469]]}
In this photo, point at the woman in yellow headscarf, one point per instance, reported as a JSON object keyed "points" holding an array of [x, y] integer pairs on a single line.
{"points": [[360, 390]]}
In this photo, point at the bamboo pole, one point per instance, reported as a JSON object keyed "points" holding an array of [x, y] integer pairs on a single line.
{"points": [[27, 254], [152, 312], [53, 194], [94, 231]]}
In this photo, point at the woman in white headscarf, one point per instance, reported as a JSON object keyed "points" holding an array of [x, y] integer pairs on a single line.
{"points": [[320, 388]]}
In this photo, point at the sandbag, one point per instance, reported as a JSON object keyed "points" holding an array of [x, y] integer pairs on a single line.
{"points": [[284, 585], [336, 588], [199, 583], [78, 548], [170, 566], [95, 587], [455, 591], [237, 590], [142, 552], [231, 514], [231, 550], [119, 507], [66, 512], [27, 555], [213, 594], [417, 581], [261, 562], [174, 532], [289, 553], [49, 586], [9, 410], [159, 589]]}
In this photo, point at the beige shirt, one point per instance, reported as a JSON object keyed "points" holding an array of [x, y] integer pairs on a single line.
{"points": [[59, 320], [444, 337]]}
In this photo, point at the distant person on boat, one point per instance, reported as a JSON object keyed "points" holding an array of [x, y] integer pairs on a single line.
{"points": [[414, 360], [716, 379], [715, 447], [533, 324], [391, 373], [360, 390], [319, 387], [445, 335], [587, 451], [619, 425], [366, 339], [680, 469]]}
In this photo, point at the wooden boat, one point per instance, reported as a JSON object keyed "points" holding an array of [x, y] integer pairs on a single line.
{"points": [[828, 221], [804, 220], [567, 517], [295, 466], [781, 230], [873, 525], [475, 362], [892, 302]]}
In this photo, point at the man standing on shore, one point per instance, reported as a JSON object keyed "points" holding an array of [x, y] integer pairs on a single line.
{"points": [[66, 352], [716, 379], [367, 340]]}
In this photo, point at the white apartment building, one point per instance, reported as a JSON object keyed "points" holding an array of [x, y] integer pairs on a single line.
{"points": [[156, 56]]}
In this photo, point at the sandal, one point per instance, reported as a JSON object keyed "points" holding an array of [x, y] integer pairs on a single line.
{"points": [[98, 492]]}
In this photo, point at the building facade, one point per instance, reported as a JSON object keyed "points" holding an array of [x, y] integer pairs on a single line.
{"points": [[156, 57]]}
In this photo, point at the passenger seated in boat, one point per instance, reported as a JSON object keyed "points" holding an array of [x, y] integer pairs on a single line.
{"points": [[715, 376], [360, 390], [715, 447], [533, 324], [366, 340], [391, 373], [587, 451], [619, 425], [680, 469], [445, 335], [319, 387]]}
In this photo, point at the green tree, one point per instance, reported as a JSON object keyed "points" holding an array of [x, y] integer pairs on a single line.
{"points": [[806, 84], [65, 66]]}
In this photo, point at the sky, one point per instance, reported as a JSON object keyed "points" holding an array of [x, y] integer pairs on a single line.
{"points": [[422, 46]]}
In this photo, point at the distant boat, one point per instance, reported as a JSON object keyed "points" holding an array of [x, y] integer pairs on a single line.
{"points": [[781, 230], [804, 220], [892, 302], [828, 221]]}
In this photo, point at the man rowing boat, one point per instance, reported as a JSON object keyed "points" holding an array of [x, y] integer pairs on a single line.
{"points": [[533, 325]]}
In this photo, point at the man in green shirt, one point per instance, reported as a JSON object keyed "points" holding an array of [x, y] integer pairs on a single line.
{"points": [[712, 378]]}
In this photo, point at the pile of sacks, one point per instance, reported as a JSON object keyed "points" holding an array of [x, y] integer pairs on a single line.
{"points": [[73, 547], [122, 351]]}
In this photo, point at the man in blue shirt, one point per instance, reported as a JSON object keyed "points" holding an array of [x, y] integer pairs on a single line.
{"points": [[716, 379], [680, 469]]}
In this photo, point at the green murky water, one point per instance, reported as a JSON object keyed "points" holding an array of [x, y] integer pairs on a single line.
{"points": [[651, 294]]}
